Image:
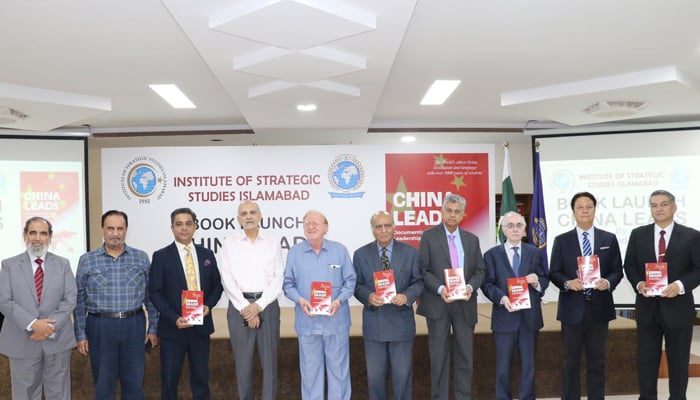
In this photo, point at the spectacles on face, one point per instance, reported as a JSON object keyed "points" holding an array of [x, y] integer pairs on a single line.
{"points": [[385, 226], [519, 225]]}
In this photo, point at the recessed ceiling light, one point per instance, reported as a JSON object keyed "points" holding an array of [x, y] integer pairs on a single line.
{"points": [[408, 139], [173, 95], [438, 92], [306, 107]]}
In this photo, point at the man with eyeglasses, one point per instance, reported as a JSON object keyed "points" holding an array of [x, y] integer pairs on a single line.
{"points": [[323, 339], [584, 312], [515, 328], [450, 322], [388, 324], [669, 316]]}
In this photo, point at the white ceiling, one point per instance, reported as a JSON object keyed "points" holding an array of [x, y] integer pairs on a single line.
{"points": [[366, 63]]}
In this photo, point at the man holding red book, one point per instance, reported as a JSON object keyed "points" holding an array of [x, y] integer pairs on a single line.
{"points": [[669, 316], [388, 324], [514, 327], [585, 312]]}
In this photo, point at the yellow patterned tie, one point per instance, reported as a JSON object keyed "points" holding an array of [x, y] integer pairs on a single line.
{"points": [[190, 273]]}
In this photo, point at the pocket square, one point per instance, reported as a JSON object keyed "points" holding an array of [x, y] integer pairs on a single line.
{"points": [[604, 247]]}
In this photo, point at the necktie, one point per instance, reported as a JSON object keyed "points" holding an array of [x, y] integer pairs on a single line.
{"points": [[190, 273], [587, 252], [516, 260], [454, 258], [385, 260], [662, 246], [39, 279]]}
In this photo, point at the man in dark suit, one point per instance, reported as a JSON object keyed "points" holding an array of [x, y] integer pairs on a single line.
{"points": [[669, 316], [38, 294], [515, 328], [443, 247], [585, 313], [388, 329], [169, 276]]}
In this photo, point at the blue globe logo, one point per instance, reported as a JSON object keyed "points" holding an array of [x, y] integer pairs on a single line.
{"points": [[142, 180], [346, 175]]}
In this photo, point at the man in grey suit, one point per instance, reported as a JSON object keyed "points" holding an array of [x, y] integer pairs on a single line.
{"points": [[37, 296], [388, 329], [442, 247]]}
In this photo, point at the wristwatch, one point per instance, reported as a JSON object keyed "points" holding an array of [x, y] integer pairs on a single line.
{"points": [[566, 285]]}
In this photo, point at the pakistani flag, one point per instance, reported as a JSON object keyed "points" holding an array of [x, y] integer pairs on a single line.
{"points": [[507, 194]]}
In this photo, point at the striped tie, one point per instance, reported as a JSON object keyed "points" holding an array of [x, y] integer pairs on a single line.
{"points": [[39, 279], [587, 252]]}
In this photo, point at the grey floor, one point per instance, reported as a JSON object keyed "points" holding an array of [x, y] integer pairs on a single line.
{"points": [[693, 383]]}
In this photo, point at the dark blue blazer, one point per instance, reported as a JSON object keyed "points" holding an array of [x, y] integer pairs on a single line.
{"points": [[388, 323], [498, 270], [564, 267], [167, 281], [683, 259]]}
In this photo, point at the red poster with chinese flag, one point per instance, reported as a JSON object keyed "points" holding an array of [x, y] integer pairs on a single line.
{"points": [[417, 183], [54, 196]]}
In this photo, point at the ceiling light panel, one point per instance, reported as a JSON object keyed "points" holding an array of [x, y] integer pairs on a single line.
{"points": [[439, 92]]}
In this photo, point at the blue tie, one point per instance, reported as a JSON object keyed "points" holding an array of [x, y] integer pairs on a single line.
{"points": [[587, 252], [516, 260]]}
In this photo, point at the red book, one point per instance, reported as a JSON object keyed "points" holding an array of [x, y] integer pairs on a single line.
{"points": [[193, 306], [454, 284], [656, 278], [588, 270], [385, 285], [518, 293], [321, 298]]}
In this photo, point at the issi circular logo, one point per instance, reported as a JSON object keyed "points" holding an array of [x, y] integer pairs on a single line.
{"points": [[346, 174], [143, 179]]}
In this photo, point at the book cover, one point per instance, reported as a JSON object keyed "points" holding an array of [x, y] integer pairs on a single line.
{"points": [[454, 284], [518, 293], [385, 285], [320, 298], [193, 306], [588, 270], [656, 278]]}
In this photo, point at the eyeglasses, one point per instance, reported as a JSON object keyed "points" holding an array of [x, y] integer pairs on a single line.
{"points": [[385, 226], [513, 226]]}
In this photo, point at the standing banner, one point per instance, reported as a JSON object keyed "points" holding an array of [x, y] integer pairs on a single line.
{"points": [[347, 183]]}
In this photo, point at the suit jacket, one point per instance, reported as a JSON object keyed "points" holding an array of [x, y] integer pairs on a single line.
{"points": [[167, 281], [564, 267], [388, 323], [498, 270], [434, 257], [683, 260], [19, 304]]}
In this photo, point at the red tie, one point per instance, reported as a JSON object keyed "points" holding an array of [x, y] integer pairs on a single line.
{"points": [[662, 246], [39, 279]]}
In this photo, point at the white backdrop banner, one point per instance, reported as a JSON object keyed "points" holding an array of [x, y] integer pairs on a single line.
{"points": [[347, 183]]}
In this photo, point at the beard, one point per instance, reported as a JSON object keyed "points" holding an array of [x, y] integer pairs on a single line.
{"points": [[37, 251]]}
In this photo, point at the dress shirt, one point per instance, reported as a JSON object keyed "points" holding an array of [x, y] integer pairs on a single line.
{"points": [[251, 266], [108, 284], [183, 255], [34, 267], [667, 238], [332, 264], [591, 238], [460, 254]]}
